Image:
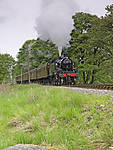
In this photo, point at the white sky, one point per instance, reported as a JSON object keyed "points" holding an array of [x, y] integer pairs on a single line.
{"points": [[17, 20]]}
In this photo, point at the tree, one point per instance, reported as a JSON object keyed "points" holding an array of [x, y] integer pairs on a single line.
{"points": [[104, 74], [92, 46], [108, 22], [42, 52], [80, 49], [107, 66], [7, 64], [36, 53]]}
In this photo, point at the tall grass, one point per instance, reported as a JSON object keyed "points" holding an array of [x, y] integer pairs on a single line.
{"points": [[33, 114]]}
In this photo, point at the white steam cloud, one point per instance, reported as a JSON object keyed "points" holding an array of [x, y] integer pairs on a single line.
{"points": [[55, 22]]}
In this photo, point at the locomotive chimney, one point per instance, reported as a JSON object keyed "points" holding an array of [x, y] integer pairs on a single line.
{"points": [[60, 51]]}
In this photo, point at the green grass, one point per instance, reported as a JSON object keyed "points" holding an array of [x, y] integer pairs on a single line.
{"points": [[66, 120]]}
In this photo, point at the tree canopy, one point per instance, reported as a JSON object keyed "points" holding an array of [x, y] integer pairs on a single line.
{"points": [[7, 64], [35, 53], [91, 46]]}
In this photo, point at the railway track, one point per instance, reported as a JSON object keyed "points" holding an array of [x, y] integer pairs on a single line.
{"points": [[88, 86]]}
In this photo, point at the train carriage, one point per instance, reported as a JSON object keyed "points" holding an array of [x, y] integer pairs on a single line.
{"points": [[18, 79], [25, 77], [33, 75], [42, 72]]}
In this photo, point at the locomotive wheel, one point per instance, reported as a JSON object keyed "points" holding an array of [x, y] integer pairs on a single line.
{"points": [[59, 81], [74, 82], [69, 80]]}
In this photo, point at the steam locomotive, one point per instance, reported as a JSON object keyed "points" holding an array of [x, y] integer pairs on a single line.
{"points": [[60, 71]]}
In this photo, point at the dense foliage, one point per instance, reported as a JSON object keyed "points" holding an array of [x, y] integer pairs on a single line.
{"points": [[35, 53], [91, 47], [7, 64]]}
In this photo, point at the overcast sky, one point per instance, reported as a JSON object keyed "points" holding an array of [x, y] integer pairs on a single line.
{"points": [[18, 19]]}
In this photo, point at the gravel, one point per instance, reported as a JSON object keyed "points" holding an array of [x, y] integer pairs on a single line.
{"points": [[25, 147], [92, 91]]}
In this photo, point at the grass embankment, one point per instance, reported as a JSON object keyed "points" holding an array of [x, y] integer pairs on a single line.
{"points": [[31, 114]]}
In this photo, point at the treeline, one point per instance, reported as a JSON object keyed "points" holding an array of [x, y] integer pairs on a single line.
{"points": [[91, 47]]}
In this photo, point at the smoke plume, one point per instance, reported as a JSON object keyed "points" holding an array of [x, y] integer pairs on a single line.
{"points": [[55, 22]]}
